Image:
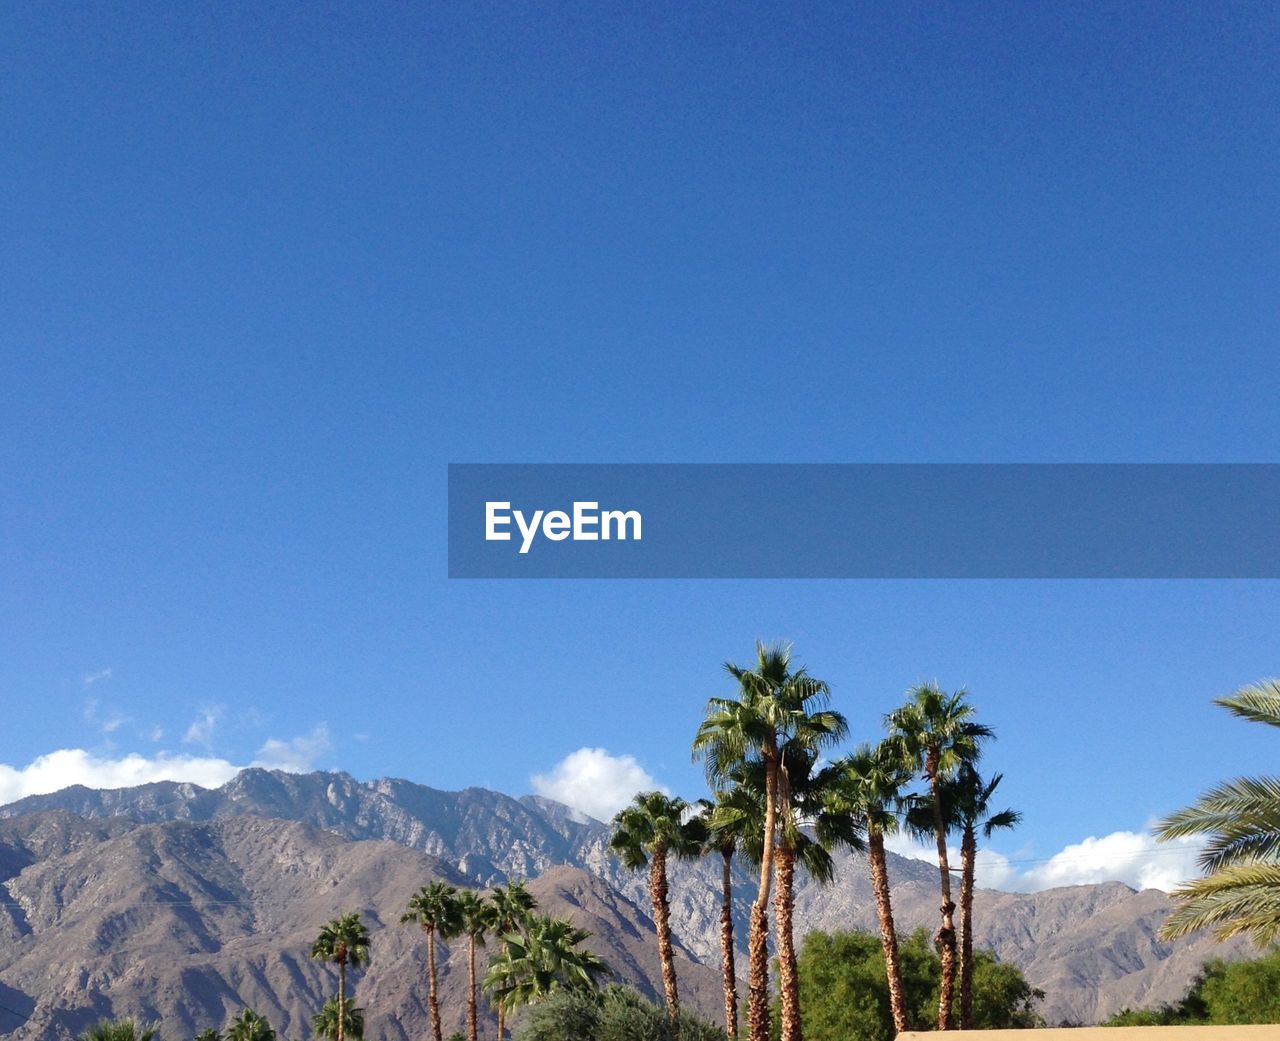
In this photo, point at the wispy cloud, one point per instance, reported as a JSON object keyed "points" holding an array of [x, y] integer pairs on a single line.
{"points": [[594, 782], [200, 732], [298, 754], [90, 678]]}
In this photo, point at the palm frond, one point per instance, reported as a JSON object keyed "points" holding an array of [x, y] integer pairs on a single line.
{"points": [[1258, 702]]}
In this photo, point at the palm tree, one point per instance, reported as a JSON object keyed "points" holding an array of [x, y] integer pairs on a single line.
{"points": [[811, 822], [652, 828], [938, 733], [776, 704], [249, 1026], [343, 941], [475, 919], [733, 818], [543, 958], [1240, 892], [208, 1034], [512, 905], [325, 1022], [873, 781], [972, 812], [120, 1030], [435, 908]]}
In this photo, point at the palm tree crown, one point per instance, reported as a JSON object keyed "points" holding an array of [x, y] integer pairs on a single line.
{"points": [[343, 941], [120, 1030], [545, 957], [249, 1026], [325, 1022], [1240, 892]]}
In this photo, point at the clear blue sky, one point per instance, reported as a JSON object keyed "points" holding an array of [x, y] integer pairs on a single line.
{"points": [[268, 268]]}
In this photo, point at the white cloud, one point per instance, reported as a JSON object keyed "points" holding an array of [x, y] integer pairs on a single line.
{"points": [[1135, 858], [90, 678], [200, 732], [298, 754], [594, 782], [67, 766]]}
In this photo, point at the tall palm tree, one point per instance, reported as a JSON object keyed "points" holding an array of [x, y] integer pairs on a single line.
{"points": [[938, 733], [1240, 892], [972, 813], [343, 941], [734, 817], [434, 908], [654, 827], [120, 1030], [546, 956], [812, 820], [512, 905], [325, 1022], [475, 919], [249, 1026], [873, 782], [776, 704]]}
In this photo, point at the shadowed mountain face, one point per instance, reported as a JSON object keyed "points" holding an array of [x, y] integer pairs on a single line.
{"points": [[169, 899]]}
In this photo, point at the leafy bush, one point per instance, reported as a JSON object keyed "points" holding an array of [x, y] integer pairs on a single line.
{"points": [[1223, 993], [614, 1014], [844, 995]]}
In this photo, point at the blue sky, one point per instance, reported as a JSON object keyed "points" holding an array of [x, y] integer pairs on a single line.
{"points": [[268, 269]]}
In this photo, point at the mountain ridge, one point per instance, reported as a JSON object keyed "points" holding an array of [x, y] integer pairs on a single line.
{"points": [[1091, 948]]}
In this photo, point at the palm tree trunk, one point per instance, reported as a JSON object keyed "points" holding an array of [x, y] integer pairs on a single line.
{"points": [[968, 856], [783, 908], [472, 1034], [758, 974], [502, 1020], [946, 935], [888, 934], [726, 948], [758, 929], [433, 1000], [342, 998], [662, 923]]}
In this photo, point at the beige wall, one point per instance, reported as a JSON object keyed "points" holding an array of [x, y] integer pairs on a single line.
{"points": [[1258, 1033]]}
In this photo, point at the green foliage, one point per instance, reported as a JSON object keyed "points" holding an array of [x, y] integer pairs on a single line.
{"points": [[343, 941], [844, 996], [1241, 820], [249, 1026], [512, 905], [208, 1034], [1224, 993], [614, 1014], [545, 956], [656, 823], [435, 908], [120, 1030], [325, 1022]]}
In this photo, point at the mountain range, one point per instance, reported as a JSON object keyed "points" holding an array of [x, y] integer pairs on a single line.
{"points": [[182, 904]]}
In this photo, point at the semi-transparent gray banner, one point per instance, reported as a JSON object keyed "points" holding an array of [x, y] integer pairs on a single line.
{"points": [[863, 521]]}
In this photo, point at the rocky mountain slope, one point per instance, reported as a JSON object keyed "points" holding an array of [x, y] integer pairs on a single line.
{"points": [[1092, 949], [186, 922]]}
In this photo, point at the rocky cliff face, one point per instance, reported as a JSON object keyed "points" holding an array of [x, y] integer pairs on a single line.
{"points": [[262, 861]]}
